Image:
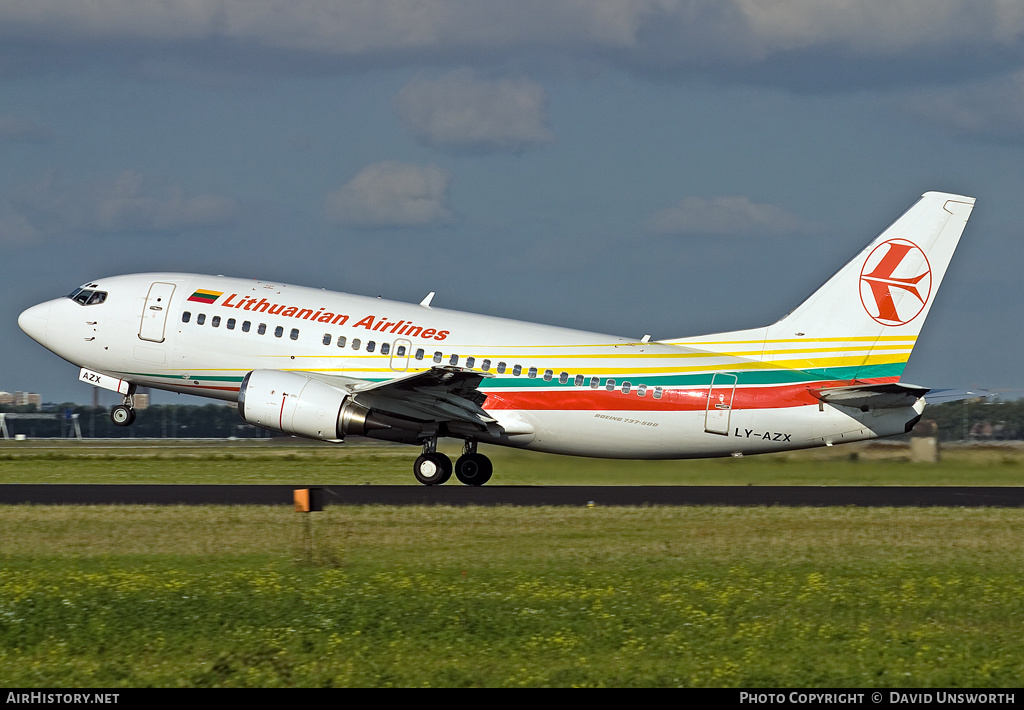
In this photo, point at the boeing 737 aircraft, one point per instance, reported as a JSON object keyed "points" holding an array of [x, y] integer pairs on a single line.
{"points": [[327, 365]]}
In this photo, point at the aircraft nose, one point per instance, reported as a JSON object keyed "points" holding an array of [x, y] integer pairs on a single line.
{"points": [[33, 321]]}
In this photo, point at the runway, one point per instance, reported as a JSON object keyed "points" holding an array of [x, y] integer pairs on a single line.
{"points": [[458, 495]]}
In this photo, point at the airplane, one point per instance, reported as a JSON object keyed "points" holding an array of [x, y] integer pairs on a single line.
{"points": [[325, 365]]}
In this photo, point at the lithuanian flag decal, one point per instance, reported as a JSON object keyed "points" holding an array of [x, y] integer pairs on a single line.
{"points": [[204, 296]]}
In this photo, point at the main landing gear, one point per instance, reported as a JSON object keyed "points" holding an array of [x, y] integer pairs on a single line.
{"points": [[433, 468], [124, 414]]}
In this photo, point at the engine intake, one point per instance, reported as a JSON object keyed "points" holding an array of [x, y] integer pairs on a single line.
{"points": [[295, 404]]}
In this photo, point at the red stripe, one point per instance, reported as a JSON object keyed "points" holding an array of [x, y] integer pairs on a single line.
{"points": [[211, 387], [674, 400]]}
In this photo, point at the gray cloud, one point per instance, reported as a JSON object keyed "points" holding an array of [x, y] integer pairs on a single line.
{"points": [[725, 216], [17, 129], [661, 36], [125, 204], [392, 194], [988, 109], [460, 112]]}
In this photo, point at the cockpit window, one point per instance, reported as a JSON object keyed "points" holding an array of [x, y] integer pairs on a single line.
{"points": [[87, 296]]}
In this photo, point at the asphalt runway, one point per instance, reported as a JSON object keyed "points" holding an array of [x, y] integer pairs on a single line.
{"points": [[459, 495]]}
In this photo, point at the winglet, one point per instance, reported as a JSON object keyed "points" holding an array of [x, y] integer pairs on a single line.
{"points": [[426, 301]]}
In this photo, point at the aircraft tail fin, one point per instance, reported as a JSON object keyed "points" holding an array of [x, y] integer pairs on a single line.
{"points": [[863, 323]]}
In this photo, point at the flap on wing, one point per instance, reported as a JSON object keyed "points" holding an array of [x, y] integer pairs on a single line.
{"points": [[885, 396], [440, 394]]}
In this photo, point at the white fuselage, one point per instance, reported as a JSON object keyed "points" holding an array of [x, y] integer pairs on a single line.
{"points": [[551, 389]]}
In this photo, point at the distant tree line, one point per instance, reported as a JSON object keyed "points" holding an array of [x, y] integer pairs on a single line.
{"points": [[171, 421], [970, 420], [976, 420]]}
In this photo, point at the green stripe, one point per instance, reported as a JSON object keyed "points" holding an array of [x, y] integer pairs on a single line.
{"points": [[702, 379], [215, 378]]}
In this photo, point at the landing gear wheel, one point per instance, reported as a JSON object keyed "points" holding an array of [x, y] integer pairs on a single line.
{"points": [[473, 469], [432, 469], [122, 415]]}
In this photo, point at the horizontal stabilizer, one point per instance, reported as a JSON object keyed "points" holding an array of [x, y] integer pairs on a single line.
{"points": [[889, 395], [951, 395]]}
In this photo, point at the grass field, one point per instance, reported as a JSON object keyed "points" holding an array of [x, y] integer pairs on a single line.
{"points": [[98, 596], [293, 462]]}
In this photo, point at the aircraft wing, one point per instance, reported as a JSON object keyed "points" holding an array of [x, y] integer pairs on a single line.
{"points": [[446, 395], [889, 395]]}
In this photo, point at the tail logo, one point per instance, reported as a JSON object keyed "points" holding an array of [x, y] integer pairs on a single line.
{"points": [[895, 282]]}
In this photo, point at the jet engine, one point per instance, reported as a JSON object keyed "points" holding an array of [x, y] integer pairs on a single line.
{"points": [[294, 404]]}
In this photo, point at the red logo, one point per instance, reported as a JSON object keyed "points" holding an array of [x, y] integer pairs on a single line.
{"points": [[895, 282]]}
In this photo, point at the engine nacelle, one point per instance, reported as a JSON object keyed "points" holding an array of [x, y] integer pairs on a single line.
{"points": [[295, 404]]}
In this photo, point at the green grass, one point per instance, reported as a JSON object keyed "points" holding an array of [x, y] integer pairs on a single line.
{"points": [[129, 596], [292, 462], [772, 597]]}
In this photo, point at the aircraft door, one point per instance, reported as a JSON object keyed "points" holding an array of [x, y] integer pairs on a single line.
{"points": [[719, 406], [154, 312], [400, 355]]}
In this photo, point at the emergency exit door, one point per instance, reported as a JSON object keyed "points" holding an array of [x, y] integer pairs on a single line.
{"points": [[719, 408]]}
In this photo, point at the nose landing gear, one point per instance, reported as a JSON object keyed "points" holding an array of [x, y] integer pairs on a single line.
{"points": [[124, 414]]}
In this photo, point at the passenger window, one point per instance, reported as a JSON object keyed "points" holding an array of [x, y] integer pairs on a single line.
{"points": [[470, 361], [327, 338], [438, 356], [215, 321], [245, 326], [400, 351], [279, 331], [517, 370], [485, 365], [231, 323], [609, 385], [186, 317], [625, 387], [578, 381], [657, 392], [454, 360], [341, 341], [419, 353], [532, 372], [563, 378], [548, 374], [641, 390], [355, 343], [294, 335], [595, 382], [385, 348], [501, 368], [201, 318], [262, 329], [371, 345]]}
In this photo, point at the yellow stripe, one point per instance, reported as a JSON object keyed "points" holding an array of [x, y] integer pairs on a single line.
{"points": [[910, 338]]}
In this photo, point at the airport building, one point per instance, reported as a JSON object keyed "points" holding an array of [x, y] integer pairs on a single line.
{"points": [[18, 399]]}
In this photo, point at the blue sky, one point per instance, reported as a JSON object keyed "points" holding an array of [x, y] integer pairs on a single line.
{"points": [[626, 166]]}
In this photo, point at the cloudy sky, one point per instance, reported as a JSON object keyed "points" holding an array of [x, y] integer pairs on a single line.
{"points": [[672, 167]]}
